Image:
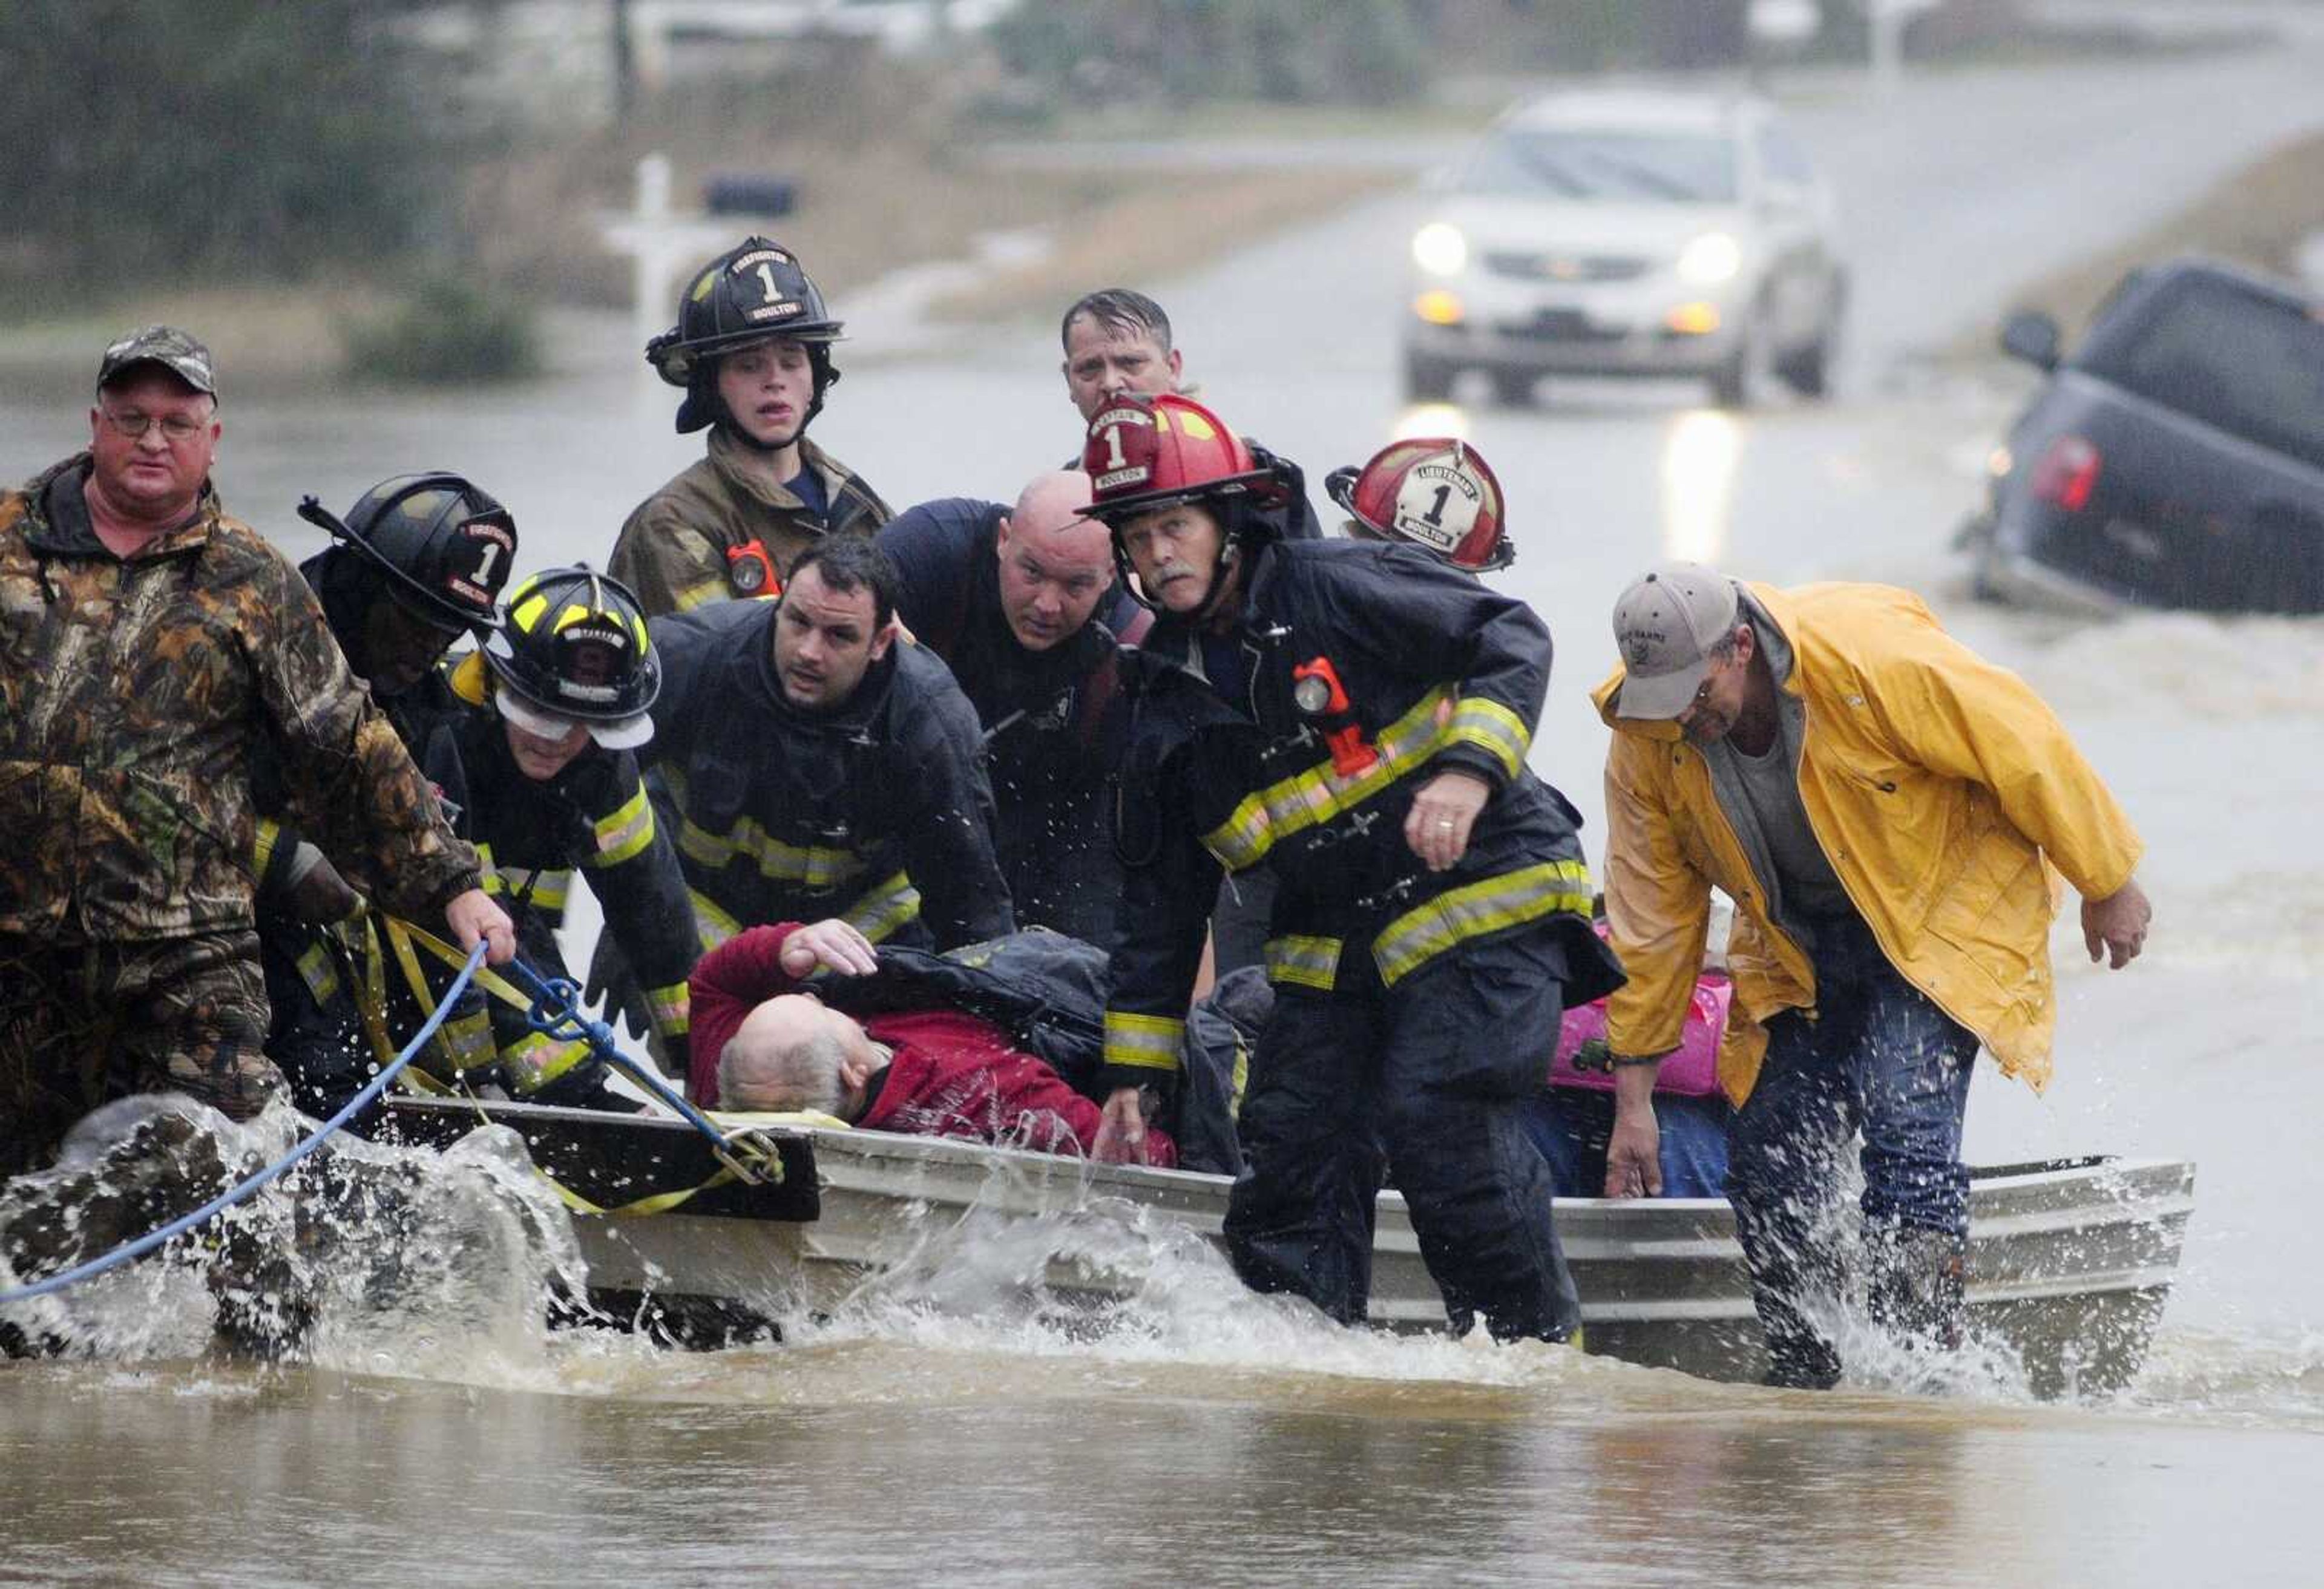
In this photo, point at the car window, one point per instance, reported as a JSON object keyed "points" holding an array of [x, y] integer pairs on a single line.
{"points": [[1786, 160], [2248, 365], [1651, 168]]}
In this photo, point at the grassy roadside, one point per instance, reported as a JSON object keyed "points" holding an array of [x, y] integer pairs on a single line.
{"points": [[2259, 217], [1159, 225], [863, 210]]}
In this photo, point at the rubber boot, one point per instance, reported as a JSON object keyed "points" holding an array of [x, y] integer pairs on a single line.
{"points": [[1800, 1355], [1918, 1286], [1789, 1271]]}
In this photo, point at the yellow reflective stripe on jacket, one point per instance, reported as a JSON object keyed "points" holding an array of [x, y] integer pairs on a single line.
{"points": [[810, 866], [261, 846], [670, 1007], [1149, 1042], [1303, 961], [699, 595], [625, 833], [1309, 799], [1493, 728], [319, 971], [465, 1041], [548, 890], [1475, 910], [713, 923], [536, 1060], [882, 910]]}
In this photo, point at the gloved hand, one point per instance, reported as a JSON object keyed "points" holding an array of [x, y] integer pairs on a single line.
{"points": [[610, 980]]}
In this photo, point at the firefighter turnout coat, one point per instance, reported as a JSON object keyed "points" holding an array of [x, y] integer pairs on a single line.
{"points": [[878, 810], [1353, 672]]}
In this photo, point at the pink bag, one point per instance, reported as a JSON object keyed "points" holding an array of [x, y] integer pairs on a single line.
{"points": [[1690, 1072]]}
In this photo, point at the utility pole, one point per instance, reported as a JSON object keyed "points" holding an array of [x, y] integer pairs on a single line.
{"points": [[1887, 20]]}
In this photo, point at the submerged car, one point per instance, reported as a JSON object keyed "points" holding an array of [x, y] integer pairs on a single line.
{"points": [[1627, 232], [2175, 459]]}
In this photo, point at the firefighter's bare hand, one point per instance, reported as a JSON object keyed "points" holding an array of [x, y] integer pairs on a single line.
{"points": [[1634, 1156], [1442, 814], [1121, 1134], [475, 919], [321, 896], [2116, 927], [831, 945]]}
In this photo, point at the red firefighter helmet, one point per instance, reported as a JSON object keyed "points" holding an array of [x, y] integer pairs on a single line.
{"points": [[1434, 492], [1145, 453]]}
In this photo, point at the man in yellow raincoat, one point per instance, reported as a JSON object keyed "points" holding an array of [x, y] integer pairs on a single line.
{"points": [[1889, 813]]}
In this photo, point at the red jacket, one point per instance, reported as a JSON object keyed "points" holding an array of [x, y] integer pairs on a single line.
{"points": [[951, 1074]]}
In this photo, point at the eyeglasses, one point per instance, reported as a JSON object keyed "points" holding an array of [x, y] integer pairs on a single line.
{"points": [[176, 428]]}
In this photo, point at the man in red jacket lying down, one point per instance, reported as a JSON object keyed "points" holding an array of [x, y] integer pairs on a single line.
{"points": [[763, 1040]]}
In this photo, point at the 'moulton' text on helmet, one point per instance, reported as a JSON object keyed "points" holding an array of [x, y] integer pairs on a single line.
{"points": [[751, 293], [1434, 492], [444, 544], [575, 649]]}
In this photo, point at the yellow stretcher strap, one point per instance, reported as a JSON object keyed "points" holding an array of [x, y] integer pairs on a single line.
{"points": [[768, 1162], [403, 935]]}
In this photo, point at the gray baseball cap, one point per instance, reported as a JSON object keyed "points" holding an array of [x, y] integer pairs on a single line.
{"points": [[178, 352], [1665, 625]]}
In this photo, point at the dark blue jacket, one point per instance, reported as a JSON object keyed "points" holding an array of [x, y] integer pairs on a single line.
{"points": [[1226, 768], [1054, 721], [877, 812]]}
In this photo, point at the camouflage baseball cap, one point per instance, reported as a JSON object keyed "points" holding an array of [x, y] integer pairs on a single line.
{"points": [[180, 351]]}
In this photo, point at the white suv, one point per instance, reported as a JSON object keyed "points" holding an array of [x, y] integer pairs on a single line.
{"points": [[1629, 233]]}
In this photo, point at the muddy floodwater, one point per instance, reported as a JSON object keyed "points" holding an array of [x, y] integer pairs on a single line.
{"points": [[932, 1456], [1202, 1436]]}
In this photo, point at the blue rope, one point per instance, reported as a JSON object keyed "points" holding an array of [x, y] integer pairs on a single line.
{"points": [[555, 1013], [357, 1104]]}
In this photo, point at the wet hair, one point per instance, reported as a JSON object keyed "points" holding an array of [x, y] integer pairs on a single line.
{"points": [[1121, 311], [801, 1075], [853, 563]]}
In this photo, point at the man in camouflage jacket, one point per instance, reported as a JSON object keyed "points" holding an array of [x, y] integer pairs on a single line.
{"points": [[147, 642]]}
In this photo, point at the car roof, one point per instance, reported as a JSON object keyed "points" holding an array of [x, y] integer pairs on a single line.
{"points": [[2251, 279], [1637, 109]]}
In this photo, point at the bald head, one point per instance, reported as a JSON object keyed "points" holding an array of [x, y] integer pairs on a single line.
{"points": [[795, 1053], [1055, 563]]}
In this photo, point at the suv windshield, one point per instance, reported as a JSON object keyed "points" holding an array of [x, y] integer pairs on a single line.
{"points": [[1653, 167], [2249, 364]]}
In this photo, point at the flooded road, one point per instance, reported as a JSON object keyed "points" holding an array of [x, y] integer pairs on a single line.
{"points": [[986, 1468], [1215, 1439]]}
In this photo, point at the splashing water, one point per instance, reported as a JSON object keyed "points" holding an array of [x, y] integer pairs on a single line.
{"points": [[365, 1257]]}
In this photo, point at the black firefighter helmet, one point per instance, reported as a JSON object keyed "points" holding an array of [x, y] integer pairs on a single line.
{"points": [[575, 649], [753, 292], [443, 543]]}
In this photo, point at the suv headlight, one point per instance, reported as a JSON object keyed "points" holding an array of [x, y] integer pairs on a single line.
{"points": [[1711, 259], [1439, 248]]}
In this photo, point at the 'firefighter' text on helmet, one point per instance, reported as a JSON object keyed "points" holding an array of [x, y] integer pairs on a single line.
{"points": [[753, 292], [444, 544], [1434, 492], [575, 649]]}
